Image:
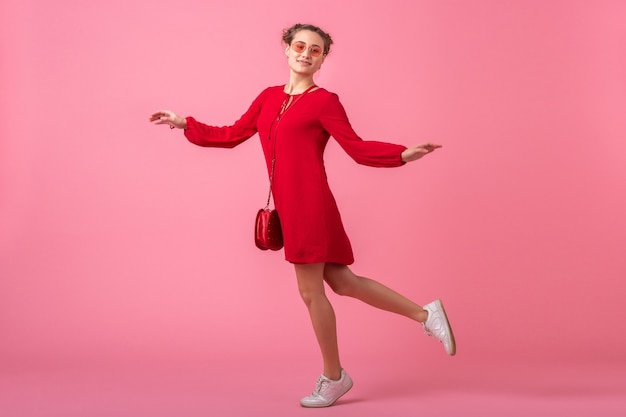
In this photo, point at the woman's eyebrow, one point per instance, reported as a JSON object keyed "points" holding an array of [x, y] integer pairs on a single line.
{"points": [[313, 44]]}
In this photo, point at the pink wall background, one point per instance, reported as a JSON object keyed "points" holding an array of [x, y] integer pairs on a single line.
{"points": [[120, 241]]}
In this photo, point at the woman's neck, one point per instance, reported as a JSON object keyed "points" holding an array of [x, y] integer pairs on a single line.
{"points": [[297, 85]]}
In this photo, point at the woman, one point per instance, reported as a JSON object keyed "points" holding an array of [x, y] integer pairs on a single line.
{"points": [[294, 123]]}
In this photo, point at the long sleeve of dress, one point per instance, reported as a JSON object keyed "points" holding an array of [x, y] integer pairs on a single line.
{"points": [[225, 136], [371, 153]]}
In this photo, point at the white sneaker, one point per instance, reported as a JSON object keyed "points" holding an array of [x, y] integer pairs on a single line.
{"points": [[327, 391], [437, 326]]}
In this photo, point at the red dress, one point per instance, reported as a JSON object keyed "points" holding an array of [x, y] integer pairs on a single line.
{"points": [[310, 220]]}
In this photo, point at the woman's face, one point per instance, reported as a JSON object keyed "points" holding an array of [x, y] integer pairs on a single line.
{"points": [[306, 52]]}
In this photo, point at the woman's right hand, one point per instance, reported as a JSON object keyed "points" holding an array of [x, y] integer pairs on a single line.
{"points": [[167, 117], [416, 152]]}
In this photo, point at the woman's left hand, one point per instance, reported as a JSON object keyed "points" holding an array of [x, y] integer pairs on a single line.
{"points": [[416, 152]]}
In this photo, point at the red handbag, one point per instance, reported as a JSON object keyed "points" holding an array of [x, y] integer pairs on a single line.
{"points": [[267, 231]]}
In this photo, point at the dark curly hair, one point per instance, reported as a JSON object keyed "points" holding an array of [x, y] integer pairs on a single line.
{"points": [[290, 33]]}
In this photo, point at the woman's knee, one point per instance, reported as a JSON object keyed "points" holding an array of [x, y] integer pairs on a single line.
{"points": [[341, 280], [310, 283], [310, 294]]}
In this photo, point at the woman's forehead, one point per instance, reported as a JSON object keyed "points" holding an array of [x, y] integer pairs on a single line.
{"points": [[308, 36]]}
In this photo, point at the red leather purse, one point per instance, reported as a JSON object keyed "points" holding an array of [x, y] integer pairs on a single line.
{"points": [[267, 231]]}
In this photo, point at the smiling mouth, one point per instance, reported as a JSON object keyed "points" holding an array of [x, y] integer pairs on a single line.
{"points": [[304, 62]]}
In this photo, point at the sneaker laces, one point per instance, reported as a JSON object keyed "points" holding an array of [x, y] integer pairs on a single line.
{"points": [[319, 385]]}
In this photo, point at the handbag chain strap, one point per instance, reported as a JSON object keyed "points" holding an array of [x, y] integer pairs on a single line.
{"points": [[287, 104]]}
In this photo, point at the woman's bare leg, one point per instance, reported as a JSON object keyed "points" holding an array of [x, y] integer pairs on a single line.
{"points": [[344, 282], [311, 285]]}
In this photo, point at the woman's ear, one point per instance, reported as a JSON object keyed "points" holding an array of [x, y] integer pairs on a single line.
{"points": [[287, 51]]}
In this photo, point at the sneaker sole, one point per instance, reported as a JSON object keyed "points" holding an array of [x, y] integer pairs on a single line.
{"points": [[448, 328]]}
